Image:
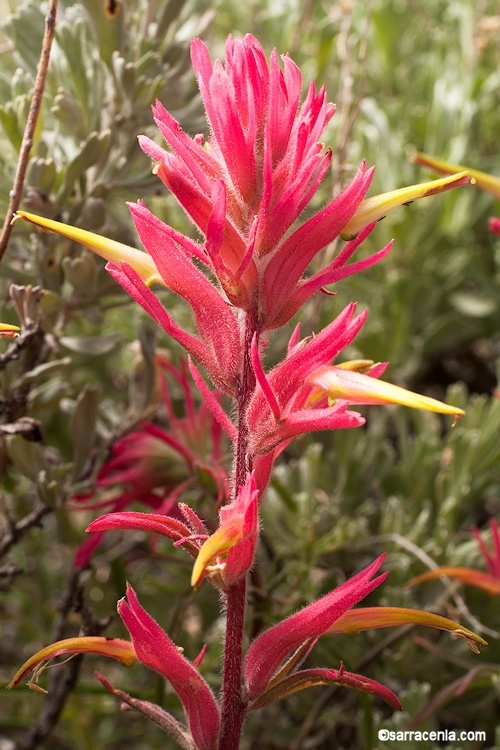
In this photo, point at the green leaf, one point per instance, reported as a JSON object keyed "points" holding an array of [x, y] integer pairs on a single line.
{"points": [[474, 305], [28, 457], [92, 345], [83, 424]]}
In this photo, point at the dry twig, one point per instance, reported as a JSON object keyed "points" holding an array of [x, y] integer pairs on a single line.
{"points": [[36, 102]]}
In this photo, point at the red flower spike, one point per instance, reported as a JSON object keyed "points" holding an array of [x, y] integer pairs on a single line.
{"points": [[264, 159], [265, 149], [155, 649], [271, 648]]}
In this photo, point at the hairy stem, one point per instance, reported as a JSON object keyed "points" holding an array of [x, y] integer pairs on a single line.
{"points": [[233, 704], [242, 460]]}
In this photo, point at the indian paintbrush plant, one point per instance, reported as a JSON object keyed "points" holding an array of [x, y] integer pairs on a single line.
{"points": [[246, 189]]}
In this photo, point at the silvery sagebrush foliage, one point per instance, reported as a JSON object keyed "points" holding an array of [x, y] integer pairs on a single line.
{"points": [[103, 72], [55, 427]]}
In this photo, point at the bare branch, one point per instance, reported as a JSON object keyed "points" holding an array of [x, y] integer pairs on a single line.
{"points": [[8, 574], [15, 530], [29, 131]]}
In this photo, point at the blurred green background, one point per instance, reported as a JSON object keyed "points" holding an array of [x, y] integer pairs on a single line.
{"points": [[405, 76]]}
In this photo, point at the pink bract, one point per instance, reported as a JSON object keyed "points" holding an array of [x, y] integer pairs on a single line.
{"points": [[244, 192]]}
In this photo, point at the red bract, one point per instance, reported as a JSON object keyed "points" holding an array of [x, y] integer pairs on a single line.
{"points": [[218, 348], [263, 165], [277, 412], [271, 648], [306, 678], [155, 649]]}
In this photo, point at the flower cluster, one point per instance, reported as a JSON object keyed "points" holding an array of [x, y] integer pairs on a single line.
{"points": [[245, 189]]}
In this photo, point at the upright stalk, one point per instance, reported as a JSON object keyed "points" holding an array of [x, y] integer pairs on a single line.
{"points": [[233, 705]]}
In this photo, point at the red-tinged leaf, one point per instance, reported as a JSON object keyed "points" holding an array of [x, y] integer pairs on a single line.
{"points": [[312, 677], [178, 731], [152, 523]]}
